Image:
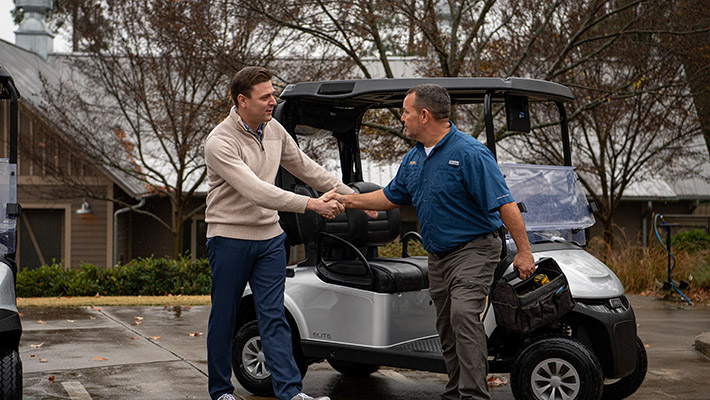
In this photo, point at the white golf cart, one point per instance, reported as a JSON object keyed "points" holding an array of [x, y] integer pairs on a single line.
{"points": [[358, 311]]}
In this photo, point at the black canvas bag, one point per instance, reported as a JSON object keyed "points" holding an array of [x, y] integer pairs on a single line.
{"points": [[526, 306]]}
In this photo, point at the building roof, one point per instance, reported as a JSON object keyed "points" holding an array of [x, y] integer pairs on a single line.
{"points": [[26, 68]]}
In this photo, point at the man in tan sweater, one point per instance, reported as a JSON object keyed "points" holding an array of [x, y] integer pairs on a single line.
{"points": [[244, 240]]}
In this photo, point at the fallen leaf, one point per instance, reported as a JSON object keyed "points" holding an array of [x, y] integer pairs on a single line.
{"points": [[39, 321], [138, 318], [135, 338], [71, 320], [91, 317], [43, 360], [494, 381], [99, 359], [645, 345], [188, 307], [196, 334], [51, 378], [136, 322], [154, 337], [94, 308], [36, 346], [32, 355]]}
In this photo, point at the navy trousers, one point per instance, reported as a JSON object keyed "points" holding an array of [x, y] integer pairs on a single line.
{"points": [[262, 263]]}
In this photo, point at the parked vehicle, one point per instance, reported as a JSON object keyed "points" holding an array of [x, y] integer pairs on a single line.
{"points": [[10, 327], [359, 311]]}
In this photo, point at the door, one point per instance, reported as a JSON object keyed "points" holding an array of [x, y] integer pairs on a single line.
{"points": [[40, 237]]}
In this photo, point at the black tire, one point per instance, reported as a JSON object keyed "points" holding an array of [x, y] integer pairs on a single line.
{"points": [[547, 368], [628, 385], [10, 374], [249, 364], [353, 369]]}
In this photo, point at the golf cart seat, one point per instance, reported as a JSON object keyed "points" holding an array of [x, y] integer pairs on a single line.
{"points": [[354, 238]]}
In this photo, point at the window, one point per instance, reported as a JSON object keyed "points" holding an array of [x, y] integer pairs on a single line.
{"points": [[194, 239]]}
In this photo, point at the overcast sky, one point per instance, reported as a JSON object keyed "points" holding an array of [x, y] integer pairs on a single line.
{"points": [[6, 26]]}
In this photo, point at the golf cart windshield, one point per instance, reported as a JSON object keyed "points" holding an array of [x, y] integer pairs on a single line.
{"points": [[556, 204]]}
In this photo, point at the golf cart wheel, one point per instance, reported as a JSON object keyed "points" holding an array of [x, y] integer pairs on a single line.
{"points": [[354, 369], [556, 369], [628, 385], [10, 374], [249, 361]]}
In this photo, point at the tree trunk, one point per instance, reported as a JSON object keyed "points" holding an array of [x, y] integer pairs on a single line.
{"points": [[178, 224]]}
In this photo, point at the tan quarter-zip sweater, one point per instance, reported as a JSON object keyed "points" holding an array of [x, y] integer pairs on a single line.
{"points": [[243, 201]]}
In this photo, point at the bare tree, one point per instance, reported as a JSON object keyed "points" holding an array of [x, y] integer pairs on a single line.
{"points": [[143, 103], [632, 111]]}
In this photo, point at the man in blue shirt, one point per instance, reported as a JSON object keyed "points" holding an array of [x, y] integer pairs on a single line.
{"points": [[461, 200]]}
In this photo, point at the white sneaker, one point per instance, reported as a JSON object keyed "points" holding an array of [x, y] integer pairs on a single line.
{"points": [[227, 396], [303, 396]]}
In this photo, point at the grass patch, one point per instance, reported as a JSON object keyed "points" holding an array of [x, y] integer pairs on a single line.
{"points": [[61, 302]]}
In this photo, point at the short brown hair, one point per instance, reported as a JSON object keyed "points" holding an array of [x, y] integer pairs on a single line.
{"points": [[245, 79], [434, 98]]}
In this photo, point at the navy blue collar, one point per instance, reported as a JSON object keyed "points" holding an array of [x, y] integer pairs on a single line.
{"points": [[442, 141], [259, 131]]}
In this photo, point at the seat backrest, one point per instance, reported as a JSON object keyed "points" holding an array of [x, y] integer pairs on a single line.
{"points": [[355, 226], [380, 231]]}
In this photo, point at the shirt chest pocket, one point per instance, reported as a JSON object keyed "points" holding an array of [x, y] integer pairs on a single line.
{"points": [[412, 174], [447, 182]]}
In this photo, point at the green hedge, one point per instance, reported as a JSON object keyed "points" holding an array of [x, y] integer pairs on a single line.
{"points": [[143, 276]]}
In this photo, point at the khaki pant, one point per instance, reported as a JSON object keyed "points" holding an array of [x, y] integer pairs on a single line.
{"points": [[458, 285]]}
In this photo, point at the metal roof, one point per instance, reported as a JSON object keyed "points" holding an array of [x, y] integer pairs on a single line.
{"points": [[26, 68]]}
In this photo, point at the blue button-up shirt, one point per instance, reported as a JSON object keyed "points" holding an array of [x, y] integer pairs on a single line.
{"points": [[456, 190]]}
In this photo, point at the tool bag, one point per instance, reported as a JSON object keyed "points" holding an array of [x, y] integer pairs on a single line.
{"points": [[527, 305]]}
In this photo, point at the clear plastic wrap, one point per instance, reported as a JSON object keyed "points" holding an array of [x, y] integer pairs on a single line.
{"points": [[556, 203]]}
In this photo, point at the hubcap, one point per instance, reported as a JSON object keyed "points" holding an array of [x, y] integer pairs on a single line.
{"points": [[253, 359], [555, 379]]}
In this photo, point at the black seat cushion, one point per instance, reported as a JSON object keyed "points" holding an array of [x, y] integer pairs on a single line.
{"points": [[389, 275]]}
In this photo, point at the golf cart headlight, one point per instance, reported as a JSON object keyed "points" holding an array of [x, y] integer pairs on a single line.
{"points": [[613, 305]]}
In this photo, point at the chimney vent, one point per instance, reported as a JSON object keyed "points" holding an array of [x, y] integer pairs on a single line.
{"points": [[33, 34]]}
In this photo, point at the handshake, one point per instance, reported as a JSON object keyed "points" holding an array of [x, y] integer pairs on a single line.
{"points": [[331, 204]]}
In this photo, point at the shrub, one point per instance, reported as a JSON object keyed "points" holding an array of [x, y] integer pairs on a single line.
{"points": [[394, 249], [701, 275], [640, 269], [693, 240], [143, 276]]}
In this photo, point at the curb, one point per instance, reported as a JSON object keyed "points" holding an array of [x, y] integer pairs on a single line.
{"points": [[702, 343]]}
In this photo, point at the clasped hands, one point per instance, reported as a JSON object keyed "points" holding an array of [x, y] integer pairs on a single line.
{"points": [[331, 204]]}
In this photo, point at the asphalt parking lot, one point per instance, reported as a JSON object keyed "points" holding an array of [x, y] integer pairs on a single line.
{"points": [[115, 352]]}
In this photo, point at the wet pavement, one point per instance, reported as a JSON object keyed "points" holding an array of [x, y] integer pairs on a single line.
{"points": [[159, 353]]}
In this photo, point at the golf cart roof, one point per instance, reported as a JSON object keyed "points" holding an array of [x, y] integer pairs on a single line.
{"points": [[390, 92]]}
